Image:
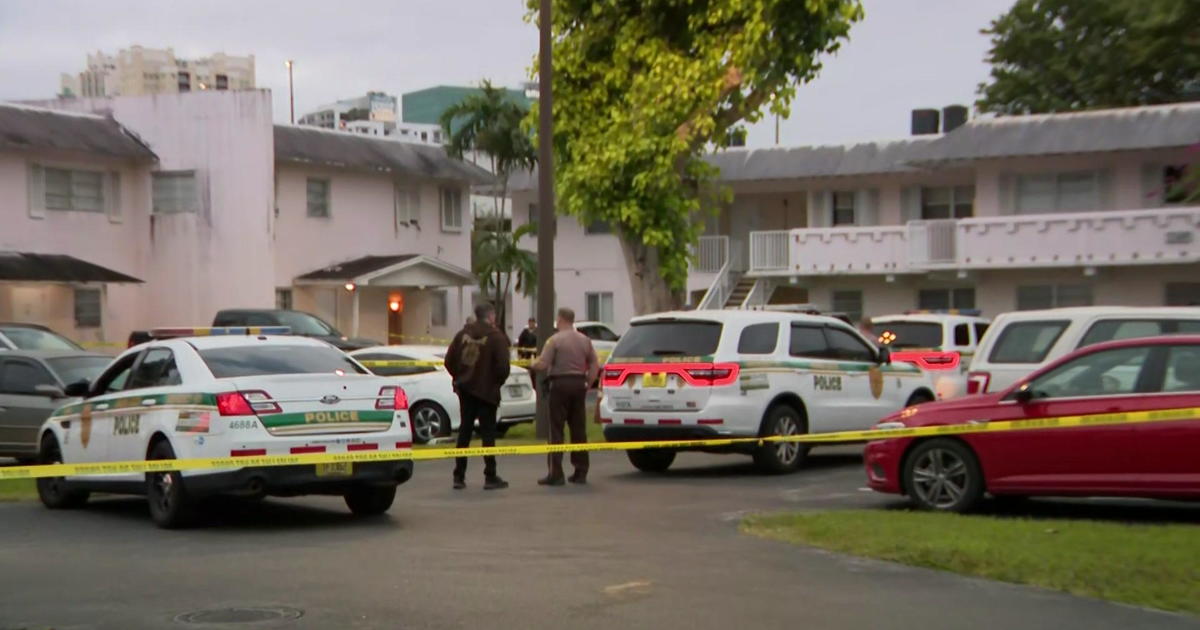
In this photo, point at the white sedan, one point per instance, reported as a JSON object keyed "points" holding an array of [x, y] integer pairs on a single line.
{"points": [[434, 405], [230, 395]]}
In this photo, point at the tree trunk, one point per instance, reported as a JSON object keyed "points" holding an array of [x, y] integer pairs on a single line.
{"points": [[651, 293]]}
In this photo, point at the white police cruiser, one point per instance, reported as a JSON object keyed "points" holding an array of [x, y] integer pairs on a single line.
{"points": [[941, 342], [715, 374], [230, 394]]}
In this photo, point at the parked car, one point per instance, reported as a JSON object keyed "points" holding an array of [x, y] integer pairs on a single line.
{"points": [[1019, 343], [32, 386], [940, 341], [20, 336], [602, 336], [229, 397], [1145, 459], [297, 323], [433, 404], [716, 374]]}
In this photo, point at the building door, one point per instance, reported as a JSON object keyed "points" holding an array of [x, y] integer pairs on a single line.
{"points": [[744, 218], [395, 319]]}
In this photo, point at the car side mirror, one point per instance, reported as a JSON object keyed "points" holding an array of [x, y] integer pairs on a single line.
{"points": [[78, 389], [885, 355], [1023, 395], [49, 391]]}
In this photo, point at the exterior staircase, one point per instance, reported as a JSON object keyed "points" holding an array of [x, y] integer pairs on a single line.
{"points": [[740, 291]]}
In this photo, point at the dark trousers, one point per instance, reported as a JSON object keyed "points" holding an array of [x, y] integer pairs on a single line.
{"points": [[568, 402], [475, 409]]}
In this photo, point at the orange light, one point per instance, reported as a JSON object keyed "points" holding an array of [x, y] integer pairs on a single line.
{"points": [[394, 305], [395, 302], [350, 286]]}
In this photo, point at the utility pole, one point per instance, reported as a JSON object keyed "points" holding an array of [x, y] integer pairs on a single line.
{"points": [[291, 91], [545, 233]]}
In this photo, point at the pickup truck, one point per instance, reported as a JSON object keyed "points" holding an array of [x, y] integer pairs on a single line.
{"points": [[301, 324]]}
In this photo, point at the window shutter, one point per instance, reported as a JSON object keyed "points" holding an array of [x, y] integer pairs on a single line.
{"points": [[1152, 186], [910, 204], [36, 189], [112, 196], [1006, 189], [819, 206], [866, 207]]}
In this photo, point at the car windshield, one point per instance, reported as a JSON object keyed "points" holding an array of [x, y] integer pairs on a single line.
{"points": [[75, 369], [37, 339], [669, 338], [305, 324], [910, 334], [276, 359]]}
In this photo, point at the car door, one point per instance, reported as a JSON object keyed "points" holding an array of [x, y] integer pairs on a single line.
{"points": [[154, 375], [1165, 453], [22, 407], [1081, 459], [831, 394], [86, 437], [866, 398]]}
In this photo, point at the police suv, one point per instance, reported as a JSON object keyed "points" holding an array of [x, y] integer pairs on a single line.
{"points": [[718, 374], [941, 342], [227, 395]]}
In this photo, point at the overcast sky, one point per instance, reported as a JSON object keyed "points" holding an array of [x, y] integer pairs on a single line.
{"points": [[905, 54]]}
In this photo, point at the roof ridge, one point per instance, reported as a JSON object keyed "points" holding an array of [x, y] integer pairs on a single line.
{"points": [[52, 110], [1087, 113]]}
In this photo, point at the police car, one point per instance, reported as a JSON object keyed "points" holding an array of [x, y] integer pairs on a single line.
{"points": [[941, 342], [229, 395], [716, 374]]}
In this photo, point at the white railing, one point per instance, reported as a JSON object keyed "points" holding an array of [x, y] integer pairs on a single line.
{"points": [[757, 297], [769, 250], [710, 254], [932, 242], [718, 292]]}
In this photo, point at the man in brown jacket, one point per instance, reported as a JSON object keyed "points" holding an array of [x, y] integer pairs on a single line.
{"points": [[478, 362], [569, 361]]}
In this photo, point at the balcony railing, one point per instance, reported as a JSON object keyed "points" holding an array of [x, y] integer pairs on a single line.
{"points": [[711, 253], [1126, 237]]}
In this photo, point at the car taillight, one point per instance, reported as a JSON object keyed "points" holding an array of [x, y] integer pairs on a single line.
{"points": [[248, 403], [612, 377], [392, 397], [261, 402], [977, 382], [714, 375]]}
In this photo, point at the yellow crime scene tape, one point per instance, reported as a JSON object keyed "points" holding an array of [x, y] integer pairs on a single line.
{"points": [[420, 363], [1062, 422]]}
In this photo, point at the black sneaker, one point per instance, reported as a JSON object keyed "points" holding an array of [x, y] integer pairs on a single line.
{"points": [[495, 483], [550, 481], [459, 484], [578, 478]]}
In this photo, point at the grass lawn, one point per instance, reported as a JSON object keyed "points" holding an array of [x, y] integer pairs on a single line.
{"points": [[17, 490], [1144, 565]]}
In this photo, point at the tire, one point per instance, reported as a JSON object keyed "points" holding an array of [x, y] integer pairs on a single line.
{"points": [[781, 457], [370, 500], [918, 398], [651, 460], [54, 492], [943, 475], [170, 505], [428, 421]]}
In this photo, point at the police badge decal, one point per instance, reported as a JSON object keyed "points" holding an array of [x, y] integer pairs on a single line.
{"points": [[876, 377]]}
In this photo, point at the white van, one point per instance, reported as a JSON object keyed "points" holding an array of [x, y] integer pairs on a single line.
{"points": [[1020, 342]]}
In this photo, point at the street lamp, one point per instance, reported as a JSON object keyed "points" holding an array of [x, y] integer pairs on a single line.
{"points": [[291, 91]]}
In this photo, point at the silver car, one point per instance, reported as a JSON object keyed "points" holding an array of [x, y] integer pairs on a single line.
{"points": [[32, 384]]}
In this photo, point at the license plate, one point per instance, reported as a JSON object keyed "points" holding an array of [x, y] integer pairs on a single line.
{"points": [[655, 380], [516, 391], [338, 469]]}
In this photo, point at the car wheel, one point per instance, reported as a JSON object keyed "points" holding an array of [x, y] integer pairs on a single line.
{"points": [[370, 500], [428, 422], [55, 492], [651, 460], [170, 505], [781, 457], [918, 398], [943, 475]]}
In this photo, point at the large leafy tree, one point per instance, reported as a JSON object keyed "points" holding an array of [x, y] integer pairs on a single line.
{"points": [[643, 87], [1067, 55]]}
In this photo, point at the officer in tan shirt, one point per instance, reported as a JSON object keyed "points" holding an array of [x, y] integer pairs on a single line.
{"points": [[569, 361]]}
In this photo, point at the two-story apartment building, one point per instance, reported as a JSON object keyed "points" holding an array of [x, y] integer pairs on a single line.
{"points": [[202, 203], [998, 214]]}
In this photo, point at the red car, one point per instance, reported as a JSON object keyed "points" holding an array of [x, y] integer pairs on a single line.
{"points": [[1151, 459]]}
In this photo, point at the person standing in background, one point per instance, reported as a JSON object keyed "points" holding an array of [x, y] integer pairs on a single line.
{"points": [[527, 341], [478, 362], [570, 364]]}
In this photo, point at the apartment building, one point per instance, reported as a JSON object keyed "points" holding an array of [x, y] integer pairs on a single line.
{"points": [[137, 71], [998, 214], [161, 210]]}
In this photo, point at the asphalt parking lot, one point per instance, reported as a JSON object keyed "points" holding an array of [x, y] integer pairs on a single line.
{"points": [[626, 551]]}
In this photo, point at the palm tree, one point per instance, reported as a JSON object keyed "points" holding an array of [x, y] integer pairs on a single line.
{"points": [[502, 266]]}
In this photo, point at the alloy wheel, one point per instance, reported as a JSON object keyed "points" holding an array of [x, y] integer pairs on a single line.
{"points": [[787, 451], [940, 478]]}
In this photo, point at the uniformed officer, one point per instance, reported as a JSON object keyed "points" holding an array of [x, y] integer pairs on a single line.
{"points": [[570, 363]]}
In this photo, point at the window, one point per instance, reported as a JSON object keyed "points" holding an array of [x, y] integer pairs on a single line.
{"points": [[598, 227], [980, 328], [75, 369], [1035, 297], [174, 192], [113, 379], [669, 339], [74, 190], [843, 208], [87, 308], [1183, 369], [156, 369], [850, 303], [184, 82], [1106, 373], [1183, 294], [1058, 192], [408, 205], [283, 299], [318, 197], [1174, 184], [25, 338], [845, 346], [808, 341], [907, 334], [758, 339], [452, 210], [943, 299], [962, 335], [600, 307], [23, 377], [1026, 342], [947, 202], [222, 82], [400, 370], [235, 361], [1114, 329], [598, 333], [533, 214], [438, 308]]}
